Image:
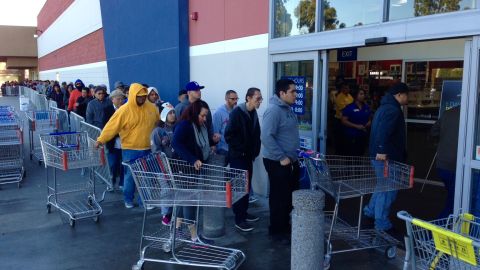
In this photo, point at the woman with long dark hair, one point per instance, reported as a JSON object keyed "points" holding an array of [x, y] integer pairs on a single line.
{"points": [[191, 143]]}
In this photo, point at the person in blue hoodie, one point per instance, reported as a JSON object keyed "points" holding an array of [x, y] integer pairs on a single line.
{"points": [[280, 139], [387, 142]]}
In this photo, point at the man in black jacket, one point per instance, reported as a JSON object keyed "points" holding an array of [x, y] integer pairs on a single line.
{"points": [[242, 135]]}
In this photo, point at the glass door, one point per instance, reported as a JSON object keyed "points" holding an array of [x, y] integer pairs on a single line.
{"points": [[467, 184], [304, 70]]}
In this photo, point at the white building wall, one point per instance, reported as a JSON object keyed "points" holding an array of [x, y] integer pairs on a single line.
{"points": [[94, 73]]}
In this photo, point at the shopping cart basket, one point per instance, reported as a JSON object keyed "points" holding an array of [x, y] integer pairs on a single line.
{"points": [[11, 156], [168, 182], [40, 122], [66, 151], [344, 177], [448, 243], [102, 171]]}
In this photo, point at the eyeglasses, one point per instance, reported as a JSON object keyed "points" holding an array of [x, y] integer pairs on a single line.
{"points": [[259, 98]]}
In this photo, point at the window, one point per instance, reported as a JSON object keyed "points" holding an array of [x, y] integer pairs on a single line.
{"points": [[294, 17], [402, 9], [341, 14]]}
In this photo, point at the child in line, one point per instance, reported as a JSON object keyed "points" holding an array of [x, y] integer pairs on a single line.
{"points": [[161, 141]]}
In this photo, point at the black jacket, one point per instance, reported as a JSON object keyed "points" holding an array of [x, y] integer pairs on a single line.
{"points": [[242, 134], [388, 135]]}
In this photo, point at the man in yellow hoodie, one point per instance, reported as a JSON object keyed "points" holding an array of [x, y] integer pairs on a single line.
{"points": [[134, 123]]}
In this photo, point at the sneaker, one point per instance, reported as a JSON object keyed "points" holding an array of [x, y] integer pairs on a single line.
{"points": [[109, 188], [252, 199], [252, 218], [166, 220], [244, 227], [120, 187], [150, 207], [129, 205]]}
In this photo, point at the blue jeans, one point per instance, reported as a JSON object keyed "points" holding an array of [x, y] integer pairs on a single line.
{"points": [[380, 202], [129, 185], [115, 162]]}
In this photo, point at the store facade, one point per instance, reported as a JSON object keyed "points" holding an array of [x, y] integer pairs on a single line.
{"points": [[432, 47]]}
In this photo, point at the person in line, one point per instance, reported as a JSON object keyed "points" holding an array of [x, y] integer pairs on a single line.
{"points": [[82, 103], [114, 146], [280, 139], [194, 93], [75, 94], [153, 95], [57, 96], [191, 143], [387, 142], [182, 95], [446, 131], [243, 137], [66, 97], [134, 123], [161, 141], [220, 121], [342, 99], [356, 119], [96, 108]]}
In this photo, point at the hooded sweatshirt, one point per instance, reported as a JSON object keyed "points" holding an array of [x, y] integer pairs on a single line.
{"points": [[280, 136], [388, 135], [133, 123], [76, 93]]}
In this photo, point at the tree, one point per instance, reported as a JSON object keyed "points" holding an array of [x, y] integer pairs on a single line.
{"points": [[428, 7], [283, 20], [330, 17], [305, 12]]}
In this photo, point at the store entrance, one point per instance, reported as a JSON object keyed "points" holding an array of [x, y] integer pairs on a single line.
{"points": [[433, 71]]}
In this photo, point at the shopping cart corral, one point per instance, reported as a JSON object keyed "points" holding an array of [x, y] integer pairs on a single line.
{"points": [[67, 151], [343, 177], [168, 182], [448, 243], [11, 147]]}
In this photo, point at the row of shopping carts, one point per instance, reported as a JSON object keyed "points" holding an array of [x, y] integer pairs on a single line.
{"points": [[12, 170]]}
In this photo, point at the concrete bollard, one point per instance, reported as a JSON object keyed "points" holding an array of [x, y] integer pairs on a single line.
{"points": [[308, 230], [213, 222]]}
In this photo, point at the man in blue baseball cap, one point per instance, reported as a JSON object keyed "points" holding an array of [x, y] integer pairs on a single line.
{"points": [[194, 93]]}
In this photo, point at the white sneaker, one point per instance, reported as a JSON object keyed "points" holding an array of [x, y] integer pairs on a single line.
{"points": [[252, 199], [129, 205]]}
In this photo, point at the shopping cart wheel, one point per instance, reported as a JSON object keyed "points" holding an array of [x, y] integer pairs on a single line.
{"points": [[391, 252], [326, 262], [167, 247], [72, 223], [49, 208], [96, 219], [39, 163], [138, 266]]}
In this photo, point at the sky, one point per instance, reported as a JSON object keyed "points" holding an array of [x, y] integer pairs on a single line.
{"points": [[20, 12]]}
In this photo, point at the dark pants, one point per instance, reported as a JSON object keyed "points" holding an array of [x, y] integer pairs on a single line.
{"points": [[240, 208], [283, 181], [355, 146], [338, 140], [448, 178], [115, 162]]}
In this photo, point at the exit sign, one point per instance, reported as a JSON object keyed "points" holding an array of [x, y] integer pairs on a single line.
{"points": [[347, 54]]}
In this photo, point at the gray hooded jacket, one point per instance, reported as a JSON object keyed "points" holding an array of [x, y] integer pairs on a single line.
{"points": [[280, 135]]}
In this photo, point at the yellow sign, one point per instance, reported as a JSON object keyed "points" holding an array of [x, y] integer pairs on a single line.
{"points": [[450, 243]]}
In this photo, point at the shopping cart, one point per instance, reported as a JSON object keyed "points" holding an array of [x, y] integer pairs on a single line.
{"points": [[344, 177], [44, 122], [448, 243], [67, 151], [11, 155], [168, 182], [102, 171]]}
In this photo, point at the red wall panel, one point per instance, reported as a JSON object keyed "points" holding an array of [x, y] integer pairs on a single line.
{"points": [[220, 20], [51, 10], [88, 49]]}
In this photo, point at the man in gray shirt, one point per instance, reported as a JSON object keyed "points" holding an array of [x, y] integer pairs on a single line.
{"points": [[280, 139]]}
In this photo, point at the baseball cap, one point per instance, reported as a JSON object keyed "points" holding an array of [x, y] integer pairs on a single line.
{"points": [[398, 88], [193, 86], [117, 93]]}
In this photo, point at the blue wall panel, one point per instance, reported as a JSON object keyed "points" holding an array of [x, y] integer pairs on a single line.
{"points": [[147, 41]]}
